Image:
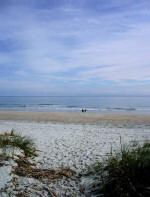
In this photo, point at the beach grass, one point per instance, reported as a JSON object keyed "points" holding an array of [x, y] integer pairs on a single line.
{"points": [[14, 141], [24, 167], [125, 173]]}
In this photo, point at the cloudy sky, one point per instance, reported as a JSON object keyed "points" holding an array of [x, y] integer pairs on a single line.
{"points": [[74, 47]]}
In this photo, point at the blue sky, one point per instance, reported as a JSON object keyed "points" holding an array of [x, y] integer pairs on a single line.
{"points": [[74, 47]]}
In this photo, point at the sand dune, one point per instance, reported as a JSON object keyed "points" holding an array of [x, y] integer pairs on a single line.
{"points": [[70, 145]]}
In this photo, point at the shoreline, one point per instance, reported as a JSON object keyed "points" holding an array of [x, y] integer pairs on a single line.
{"points": [[75, 117]]}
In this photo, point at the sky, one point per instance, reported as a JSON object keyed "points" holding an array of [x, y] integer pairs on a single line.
{"points": [[74, 47]]}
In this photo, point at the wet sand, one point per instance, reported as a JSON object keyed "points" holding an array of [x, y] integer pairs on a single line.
{"points": [[76, 117]]}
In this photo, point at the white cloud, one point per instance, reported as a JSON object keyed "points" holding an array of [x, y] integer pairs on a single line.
{"points": [[72, 44], [124, 59]]}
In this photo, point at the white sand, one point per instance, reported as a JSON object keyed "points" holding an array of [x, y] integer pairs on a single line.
{"points": [[75, 145]]}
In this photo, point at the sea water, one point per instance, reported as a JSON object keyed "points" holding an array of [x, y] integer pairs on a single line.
{"points": [[107, 104]]}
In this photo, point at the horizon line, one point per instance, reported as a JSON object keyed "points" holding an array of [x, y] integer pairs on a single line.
{"points": [[76, 96]]}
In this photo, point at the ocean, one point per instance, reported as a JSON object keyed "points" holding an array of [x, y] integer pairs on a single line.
{"points": [[107, 104]]}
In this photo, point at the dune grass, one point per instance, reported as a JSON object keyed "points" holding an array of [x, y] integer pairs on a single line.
{"points": [[125, 173], [16, 141]]}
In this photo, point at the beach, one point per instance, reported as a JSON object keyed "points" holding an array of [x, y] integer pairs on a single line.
{"points": [[74, 140], [76, 117]]}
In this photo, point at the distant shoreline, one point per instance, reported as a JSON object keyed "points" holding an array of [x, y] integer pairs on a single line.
{"points": [[76, 117]]}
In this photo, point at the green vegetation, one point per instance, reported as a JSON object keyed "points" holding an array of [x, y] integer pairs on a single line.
{"points": [[125, 173], [25, 167], [12, 141]]}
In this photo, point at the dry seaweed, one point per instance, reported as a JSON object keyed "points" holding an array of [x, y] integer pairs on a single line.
{"points": [[25, 168]]}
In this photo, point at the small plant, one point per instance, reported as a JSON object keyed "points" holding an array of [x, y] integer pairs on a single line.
{"points": [[12, 141], [125, 173]]}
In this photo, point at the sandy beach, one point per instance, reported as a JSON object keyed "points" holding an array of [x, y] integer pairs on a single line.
{"points": [[76, 117], [74, 140]]}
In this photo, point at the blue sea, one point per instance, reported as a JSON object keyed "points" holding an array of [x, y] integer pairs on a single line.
{"points": [[107, 104]]}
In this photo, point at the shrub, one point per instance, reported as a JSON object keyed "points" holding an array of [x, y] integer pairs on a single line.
{"points": [[125, 173]]}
